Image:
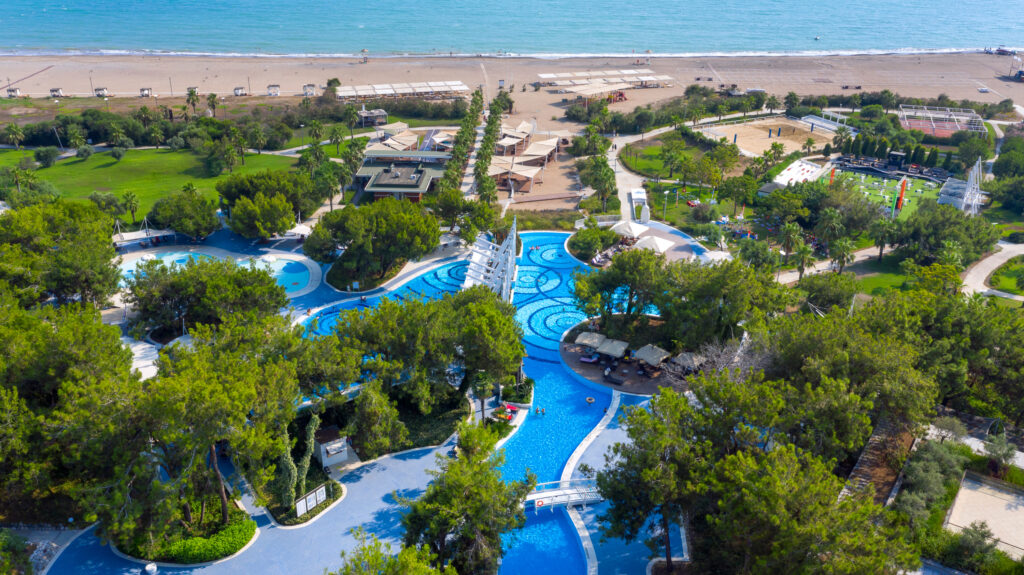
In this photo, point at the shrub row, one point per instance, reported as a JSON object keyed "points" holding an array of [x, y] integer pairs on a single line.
{"points": [[202, 549]]}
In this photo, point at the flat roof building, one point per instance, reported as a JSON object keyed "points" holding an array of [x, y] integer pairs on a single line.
{"points": [[401, 174]]}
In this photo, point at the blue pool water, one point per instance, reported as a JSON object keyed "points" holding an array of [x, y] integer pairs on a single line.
{"points": [[445, 279], [177, 257], [289, 274], [548, 544]]}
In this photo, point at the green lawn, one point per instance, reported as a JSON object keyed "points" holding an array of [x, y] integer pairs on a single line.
{"points": [[884, 191], [10, 158], [149, 173], [1005, 278], [877, 277], [646, 161], [1007, 221]]}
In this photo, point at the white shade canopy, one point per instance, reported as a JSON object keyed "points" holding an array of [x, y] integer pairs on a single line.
{"points": [[656, 244], [300, 230], [629, 229]]}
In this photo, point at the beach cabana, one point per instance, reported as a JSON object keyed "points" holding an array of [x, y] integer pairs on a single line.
{"points": [[613, 348], [101, 92], [655, 244], [590, 339], [240, 91], [688, 362], [652, 355], [13, 92], [273, 89], [629, 229], [145, 92], [309, 90]]}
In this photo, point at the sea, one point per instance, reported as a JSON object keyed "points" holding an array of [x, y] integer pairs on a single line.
{"points": [[539, 28]]}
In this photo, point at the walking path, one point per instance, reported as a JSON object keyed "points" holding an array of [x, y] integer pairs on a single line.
{"points": [[976, 277]]}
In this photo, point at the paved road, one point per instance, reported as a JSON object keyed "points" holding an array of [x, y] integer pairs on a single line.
{"points": [[974, 280]]}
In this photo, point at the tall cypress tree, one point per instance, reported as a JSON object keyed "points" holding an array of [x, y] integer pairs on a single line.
{"points": [[308, 445]]}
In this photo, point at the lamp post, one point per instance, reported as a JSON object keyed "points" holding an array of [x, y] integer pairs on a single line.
{"points": [[664, 206]]}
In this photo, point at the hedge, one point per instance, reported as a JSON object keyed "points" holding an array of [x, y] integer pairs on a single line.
{"points": [[202, 549]]}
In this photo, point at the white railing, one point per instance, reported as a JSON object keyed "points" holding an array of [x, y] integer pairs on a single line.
{"points": [[602, 221]]}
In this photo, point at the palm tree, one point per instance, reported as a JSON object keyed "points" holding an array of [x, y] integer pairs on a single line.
{"points": [[790, 234], [804, 256], [116, 135], [257, 138], [131, 203], [337, 135], [192, 100], [809, 145], [156, 135], [854, 102], [211, 103], [350, 117], [20, 176], [316, 131], [841, 137], [345, 177], [238, 141], [14, 134], [76, 139], [830, 225], [881, 231], [772, 102], [841, 253], [721, 110], [777, 150]]}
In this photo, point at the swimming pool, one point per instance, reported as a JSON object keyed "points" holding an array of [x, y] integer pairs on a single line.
{"points": [[548, 543], [290, 274], [434, 284]]}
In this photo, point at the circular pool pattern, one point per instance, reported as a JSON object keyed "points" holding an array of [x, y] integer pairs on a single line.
{"points": [[434, 284]]}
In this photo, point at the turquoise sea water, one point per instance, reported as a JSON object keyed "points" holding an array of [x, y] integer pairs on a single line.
{"points": [[537, 27]]}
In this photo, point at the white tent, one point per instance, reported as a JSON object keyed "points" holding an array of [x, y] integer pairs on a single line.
{"points": [[656, 244], [300, 230], [629, 229]]}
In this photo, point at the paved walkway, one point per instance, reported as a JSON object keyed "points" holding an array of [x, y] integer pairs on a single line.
{"points": [[792, 276], [976, 277]]}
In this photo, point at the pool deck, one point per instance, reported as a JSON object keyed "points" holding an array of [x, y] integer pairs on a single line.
{"points": [[594, 372]]}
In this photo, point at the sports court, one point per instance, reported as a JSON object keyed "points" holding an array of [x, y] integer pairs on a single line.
{"points": [[752, 137], [998, 504]]}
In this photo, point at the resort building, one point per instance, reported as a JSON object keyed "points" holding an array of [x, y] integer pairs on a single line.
{"points": [[101, 92], [309, 90], [400, 173], [376, 117], [400, 142]]}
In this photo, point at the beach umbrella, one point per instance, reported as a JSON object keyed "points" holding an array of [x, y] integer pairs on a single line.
{"points": [[629, 229], [655, 244]]}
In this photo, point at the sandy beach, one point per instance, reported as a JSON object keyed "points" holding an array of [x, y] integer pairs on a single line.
{"points": [[956, 75]]}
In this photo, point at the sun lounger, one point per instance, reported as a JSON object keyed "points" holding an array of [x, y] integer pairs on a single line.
{"points": [[590, 359], [615, 378]]}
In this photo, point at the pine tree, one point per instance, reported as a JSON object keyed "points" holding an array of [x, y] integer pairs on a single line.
{"points": [[286, 474], [309, 445]]}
